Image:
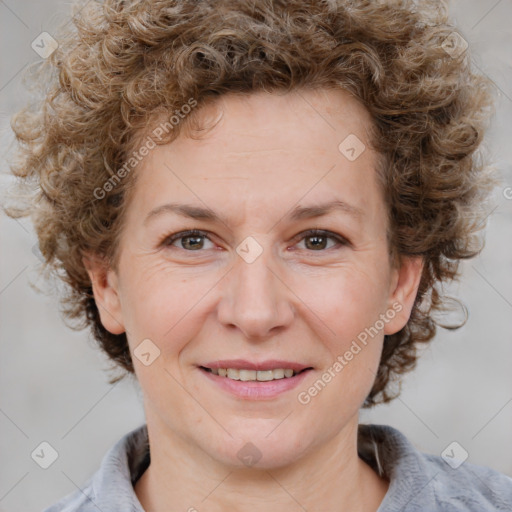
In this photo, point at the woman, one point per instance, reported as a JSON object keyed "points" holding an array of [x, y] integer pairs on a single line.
{"points": [[253, 206]]}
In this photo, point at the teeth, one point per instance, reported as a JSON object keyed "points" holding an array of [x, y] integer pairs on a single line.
{"points": [[275, 374], [253, 375], [264, 375], [233, 374], [247, 374]]}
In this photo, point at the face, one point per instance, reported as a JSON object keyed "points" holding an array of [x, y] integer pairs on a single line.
{"points": [[252, 284]]}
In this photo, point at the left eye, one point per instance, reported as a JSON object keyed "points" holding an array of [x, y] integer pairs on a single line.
{"points": [[320, 238], [193, 240]]}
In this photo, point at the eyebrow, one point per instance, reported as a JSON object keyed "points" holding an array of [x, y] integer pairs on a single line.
{"points": [[298, 213]]}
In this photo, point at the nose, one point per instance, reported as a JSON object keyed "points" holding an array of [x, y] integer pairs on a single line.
{"points": [[255, 299]]}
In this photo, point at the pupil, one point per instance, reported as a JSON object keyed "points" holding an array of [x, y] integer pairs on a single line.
{"points": [[317, 245], [197, 239]]}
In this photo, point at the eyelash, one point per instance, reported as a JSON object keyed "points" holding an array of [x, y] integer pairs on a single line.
{"points": [[168, 240]]}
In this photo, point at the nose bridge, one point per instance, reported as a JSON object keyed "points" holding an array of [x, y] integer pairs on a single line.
{"points": [[256, 301]]}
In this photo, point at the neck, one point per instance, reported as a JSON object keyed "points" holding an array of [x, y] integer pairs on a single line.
{"points": [[330, 475]]}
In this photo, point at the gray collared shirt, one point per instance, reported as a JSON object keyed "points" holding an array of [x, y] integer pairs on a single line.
{"points": [[418, 482]]}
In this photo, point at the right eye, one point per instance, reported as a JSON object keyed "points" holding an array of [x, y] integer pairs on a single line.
{"points": [[191, 240]]}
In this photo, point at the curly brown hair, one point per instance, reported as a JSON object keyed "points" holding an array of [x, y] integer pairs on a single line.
{"points": [[129, 62]]}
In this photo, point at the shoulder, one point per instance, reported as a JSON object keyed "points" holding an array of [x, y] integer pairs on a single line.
{"points": [[468, 486], [424, 482], [111, 487], [77, 501]]}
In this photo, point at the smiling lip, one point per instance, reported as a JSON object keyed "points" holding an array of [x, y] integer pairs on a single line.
{"points": [[256, 390]]}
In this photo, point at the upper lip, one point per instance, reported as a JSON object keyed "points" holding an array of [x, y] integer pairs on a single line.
{"points": [[243, 364]]}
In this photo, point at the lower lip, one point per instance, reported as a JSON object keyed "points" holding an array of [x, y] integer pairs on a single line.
{"points": [[256, 390]]}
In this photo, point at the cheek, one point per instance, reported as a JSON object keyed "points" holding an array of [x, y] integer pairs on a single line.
{"points": [[353, 339], [170, 305], [164, 305], [349, 306], [347, 299]]}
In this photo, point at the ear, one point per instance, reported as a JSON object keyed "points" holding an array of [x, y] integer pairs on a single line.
{"points": [[105, 287], [404, 287]]}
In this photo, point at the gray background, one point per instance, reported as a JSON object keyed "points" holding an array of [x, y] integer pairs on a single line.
{"points": [[53, 380]]}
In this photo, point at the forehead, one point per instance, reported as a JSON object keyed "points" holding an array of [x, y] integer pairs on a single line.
{"points": [[286, 118], [266, 147]]}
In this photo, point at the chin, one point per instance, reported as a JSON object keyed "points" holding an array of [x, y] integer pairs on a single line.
{"points": [[259, 452]]}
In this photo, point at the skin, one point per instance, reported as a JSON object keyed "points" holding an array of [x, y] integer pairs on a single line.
{"points": [[202, 302]]}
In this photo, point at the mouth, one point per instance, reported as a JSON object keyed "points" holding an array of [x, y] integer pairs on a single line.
{"points": [[255, 381]]}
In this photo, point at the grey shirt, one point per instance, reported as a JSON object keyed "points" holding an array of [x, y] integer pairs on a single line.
{"points": [[418, 481]]}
